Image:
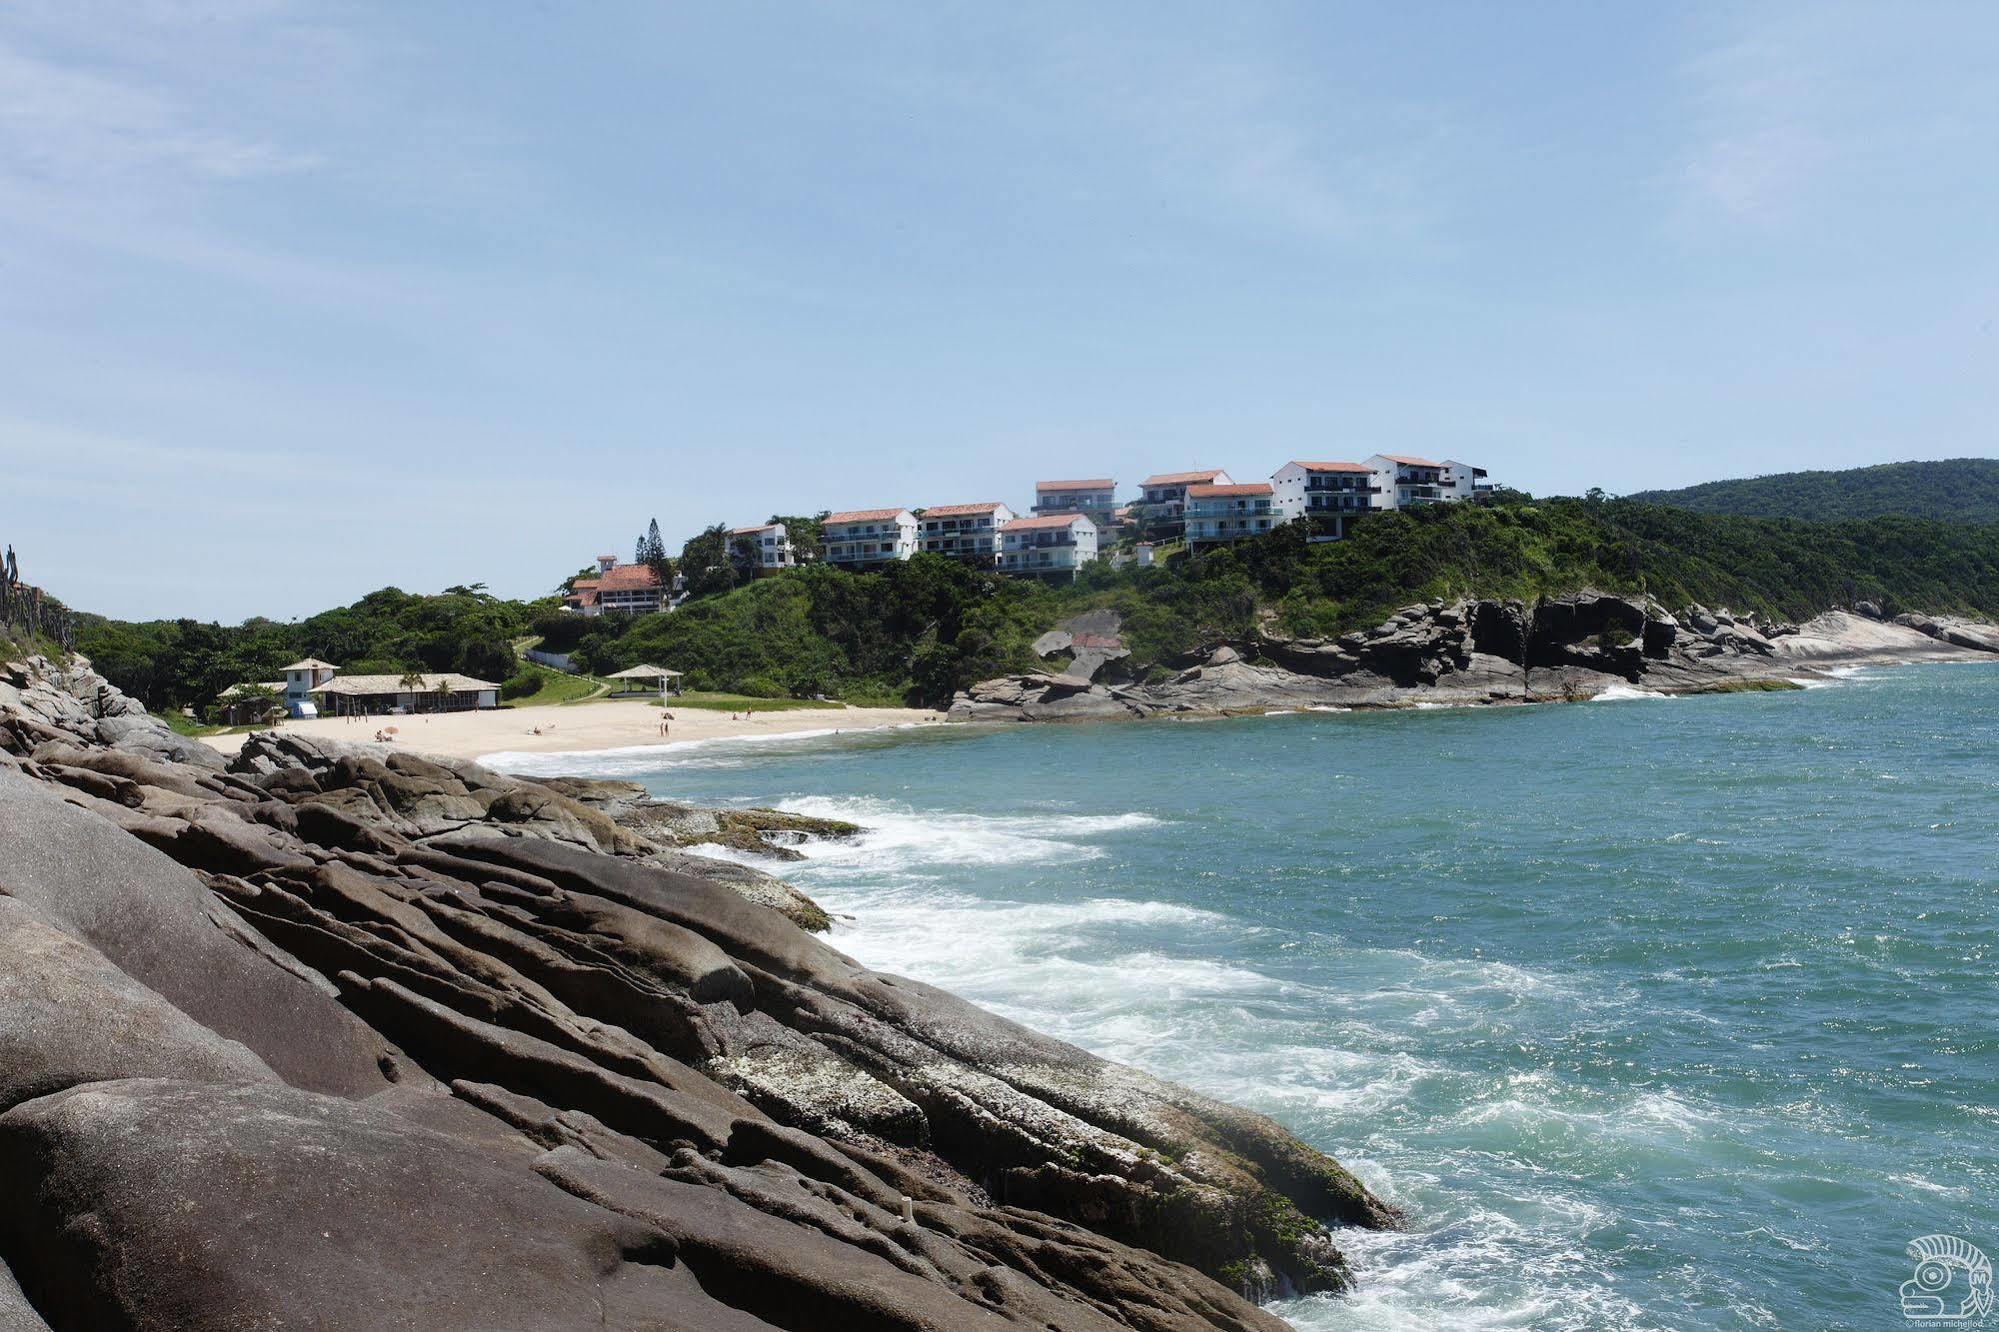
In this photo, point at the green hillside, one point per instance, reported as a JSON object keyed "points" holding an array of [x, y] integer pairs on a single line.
{"points": [[1957, 490], [918, 630]]}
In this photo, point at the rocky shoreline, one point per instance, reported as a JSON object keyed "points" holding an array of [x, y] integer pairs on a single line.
{"points": [[1465, 653], [331, 1035]]}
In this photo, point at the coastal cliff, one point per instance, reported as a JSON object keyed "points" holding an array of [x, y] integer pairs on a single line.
{"points": [[335, 1035], [1466, 652]]}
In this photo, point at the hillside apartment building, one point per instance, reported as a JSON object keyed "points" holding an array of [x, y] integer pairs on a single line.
{"points": [[1207, 504], [1162, 501], [969, 532], [768, 547], [1052, 546], [1230, 512], [1331, 494], [1095, 499], [865, 538]]}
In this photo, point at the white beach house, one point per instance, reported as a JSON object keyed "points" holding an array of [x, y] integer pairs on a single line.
{"points": [[1229, 513], [1163, 498], [428, 691], [1052, 546], [1095, 498], [969, 532], [762, 548], [300, 677], [863, 538], [1329, 494]]}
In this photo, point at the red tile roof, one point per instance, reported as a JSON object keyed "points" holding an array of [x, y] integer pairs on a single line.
{"points": [[954, 510], [1046, 520], [582, 583], [1332, 466], [628, 578], [746, 531], [1181, 478], [1410, 462], [1218, 492], [1099, 483], [862, 516]]}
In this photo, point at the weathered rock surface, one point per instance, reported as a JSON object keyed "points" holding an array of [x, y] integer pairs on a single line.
{"points": [[1473, 652], [337, 1036]]}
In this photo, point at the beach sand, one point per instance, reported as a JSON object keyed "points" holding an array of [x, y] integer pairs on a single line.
{"points": [[582, 726]]}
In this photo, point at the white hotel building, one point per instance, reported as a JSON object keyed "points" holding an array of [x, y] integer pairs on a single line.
{"points": [[969, 532], [865, 538], [1052, 546]]}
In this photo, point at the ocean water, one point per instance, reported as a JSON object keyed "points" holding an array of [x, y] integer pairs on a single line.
{"points": [[1650, 1013]]}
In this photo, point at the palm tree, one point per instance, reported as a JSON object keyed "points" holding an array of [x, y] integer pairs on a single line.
{"points": [[443, 691], [412, 682]]}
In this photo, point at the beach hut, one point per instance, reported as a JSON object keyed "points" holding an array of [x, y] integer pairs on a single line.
{"points": [[645, 680]]}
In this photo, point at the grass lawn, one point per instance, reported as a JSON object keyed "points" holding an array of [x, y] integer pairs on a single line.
{"points": [[556, 687]]}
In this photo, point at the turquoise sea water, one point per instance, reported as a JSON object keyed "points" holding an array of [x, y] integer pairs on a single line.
{"points": [[1675, 1013]]}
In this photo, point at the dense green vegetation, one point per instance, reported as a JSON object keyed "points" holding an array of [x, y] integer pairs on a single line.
{"points": [[916, 631], [167, 663], [1958, 490]]}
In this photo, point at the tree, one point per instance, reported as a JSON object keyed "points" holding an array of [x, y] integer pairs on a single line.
{"points": [[804, 533], [650, 550], [412, 682], [705, 562], [443, 691]]}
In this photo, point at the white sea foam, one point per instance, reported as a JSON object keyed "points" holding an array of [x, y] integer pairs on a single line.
{"points": [[1621, 692], [1325, 707], [897, 837]]}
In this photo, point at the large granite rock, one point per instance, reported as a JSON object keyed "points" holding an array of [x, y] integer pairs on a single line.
{"points": [[1475, 652], [343, 1037]]}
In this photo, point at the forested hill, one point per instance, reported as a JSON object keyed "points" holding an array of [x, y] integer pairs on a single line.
{"points": [[1956, 490], [918, 630]]}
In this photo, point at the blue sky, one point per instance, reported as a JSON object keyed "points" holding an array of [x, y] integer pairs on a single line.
{"points": [[299, 300]]}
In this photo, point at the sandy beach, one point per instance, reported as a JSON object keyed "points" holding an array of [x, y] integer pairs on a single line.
{"points": [[587, 726]]}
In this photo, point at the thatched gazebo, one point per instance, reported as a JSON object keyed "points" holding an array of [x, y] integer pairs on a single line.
{"points": [[646, 680]]}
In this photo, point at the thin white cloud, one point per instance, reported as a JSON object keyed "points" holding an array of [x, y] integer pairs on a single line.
{"points": [[58, 122], [1794, 113]]}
